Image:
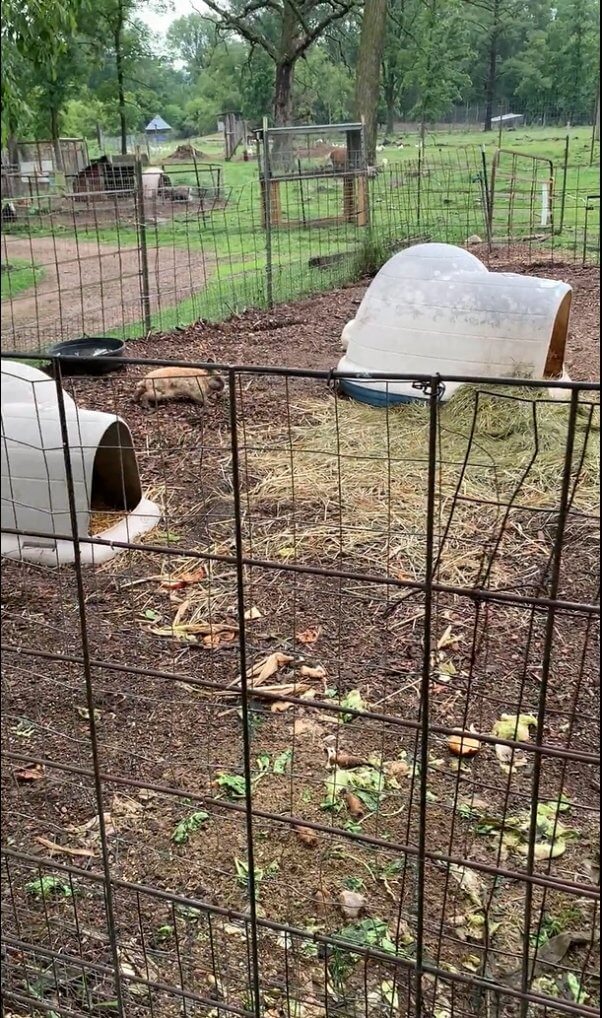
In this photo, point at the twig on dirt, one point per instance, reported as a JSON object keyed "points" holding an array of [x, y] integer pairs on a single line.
{"points": [[56, 849]]}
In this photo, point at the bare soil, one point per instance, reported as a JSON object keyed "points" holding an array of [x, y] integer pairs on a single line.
{"points": [[89, 289], [170, 743]]}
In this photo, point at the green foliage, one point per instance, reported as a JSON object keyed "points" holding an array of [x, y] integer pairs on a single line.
{"points": [[187, 826], [48, 888], [60, 62]]}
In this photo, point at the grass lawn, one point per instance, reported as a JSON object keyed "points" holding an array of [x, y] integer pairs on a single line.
{"points": [[440, 198], [17, 276]]}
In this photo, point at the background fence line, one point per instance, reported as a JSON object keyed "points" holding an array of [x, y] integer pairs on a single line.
{"points": [[126, 261]]}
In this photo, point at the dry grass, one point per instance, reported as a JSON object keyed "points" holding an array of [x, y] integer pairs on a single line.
{"points": [[352, 482]]}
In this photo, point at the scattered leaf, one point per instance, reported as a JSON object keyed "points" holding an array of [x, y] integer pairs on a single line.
{"points": [[252, 613], [29, 773], [282, 761], [188, 826], [515, 728], [184, 580], [233, 785], [395, 769], [280, 706], [216, 639], [448, 639], [263, 670], [469, 882], [575, 987], [49, 887], [307, 836], [463, 745], [370, 932], [313, 673], [308, 635], [352, 699], [352, 904], [151, 615]]}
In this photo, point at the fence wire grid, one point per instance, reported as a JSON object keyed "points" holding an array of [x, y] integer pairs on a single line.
{"points": [[129, 261], [324, 741]]}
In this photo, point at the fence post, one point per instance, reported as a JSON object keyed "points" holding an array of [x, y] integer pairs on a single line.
{"points": [[485, 196], [565, 167], [419, 194], [142, 247], [267, 214]]}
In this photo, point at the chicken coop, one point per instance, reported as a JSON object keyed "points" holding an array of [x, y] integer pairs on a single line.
{"points": [[313, 175]]}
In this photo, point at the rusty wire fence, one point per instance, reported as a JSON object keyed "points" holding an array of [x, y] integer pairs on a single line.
{"points": [[128, 261], [324, 742]]}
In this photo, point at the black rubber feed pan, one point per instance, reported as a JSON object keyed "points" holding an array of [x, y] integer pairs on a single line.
{"points": [[85, 356]]}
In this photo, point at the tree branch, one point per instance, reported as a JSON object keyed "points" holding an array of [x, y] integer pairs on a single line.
{"points": [[239, 24], [340, 10]]}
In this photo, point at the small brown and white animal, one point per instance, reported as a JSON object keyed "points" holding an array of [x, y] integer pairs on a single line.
{"points": [[338, 158], [169, 383]]}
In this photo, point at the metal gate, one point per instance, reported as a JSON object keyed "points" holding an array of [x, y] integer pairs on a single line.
{"points": [[521, 202]]}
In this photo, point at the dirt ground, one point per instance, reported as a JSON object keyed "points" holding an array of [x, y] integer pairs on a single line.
{"points": [[171, 746], [89, 289]]}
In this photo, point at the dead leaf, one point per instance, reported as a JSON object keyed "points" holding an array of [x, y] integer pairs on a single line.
{"points": [[280, 706], [252, 613], [308, 635], [306, 726], [352, 904], [447, 639], [396, 768], [509, 758], [469, 882], [339, 758], [264, 670], [29, 773], [184, 580], [215, 640], [183, 608], [306, 836], [313, 673], [354, 805], [462, 745], [55, 849]]}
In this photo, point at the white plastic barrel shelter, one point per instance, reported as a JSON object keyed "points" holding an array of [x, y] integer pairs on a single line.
{"points": [[436, 309], [35, 499]]}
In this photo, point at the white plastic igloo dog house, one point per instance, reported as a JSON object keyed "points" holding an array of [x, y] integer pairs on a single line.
{"points": [[35, 499], [436, 309]]}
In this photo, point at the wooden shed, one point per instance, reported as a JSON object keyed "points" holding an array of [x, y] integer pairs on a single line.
{"points": [[106, 173]]}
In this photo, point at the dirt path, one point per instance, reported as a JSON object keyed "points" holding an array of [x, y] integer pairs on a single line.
{"points": [[90, 288]]}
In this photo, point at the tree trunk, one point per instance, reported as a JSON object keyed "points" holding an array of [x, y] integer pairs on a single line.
{"points": [[367, 82], [597, 122], [123, 130], [283, 94], [490, 84], [55, 138], [12, 147], [389, 97]]}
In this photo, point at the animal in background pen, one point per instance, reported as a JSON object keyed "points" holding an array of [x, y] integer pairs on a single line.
{"points": [[178, 384]]}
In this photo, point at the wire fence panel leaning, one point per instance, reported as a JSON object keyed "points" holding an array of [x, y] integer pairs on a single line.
{"points": [[320, 738]]}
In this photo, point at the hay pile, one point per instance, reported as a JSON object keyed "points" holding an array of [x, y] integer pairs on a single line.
{"points": [[349, 484], [185, 154]]}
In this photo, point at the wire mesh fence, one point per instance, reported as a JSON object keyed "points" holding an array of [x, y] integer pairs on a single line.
{"points": [[323, 741], [143, 252]]}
